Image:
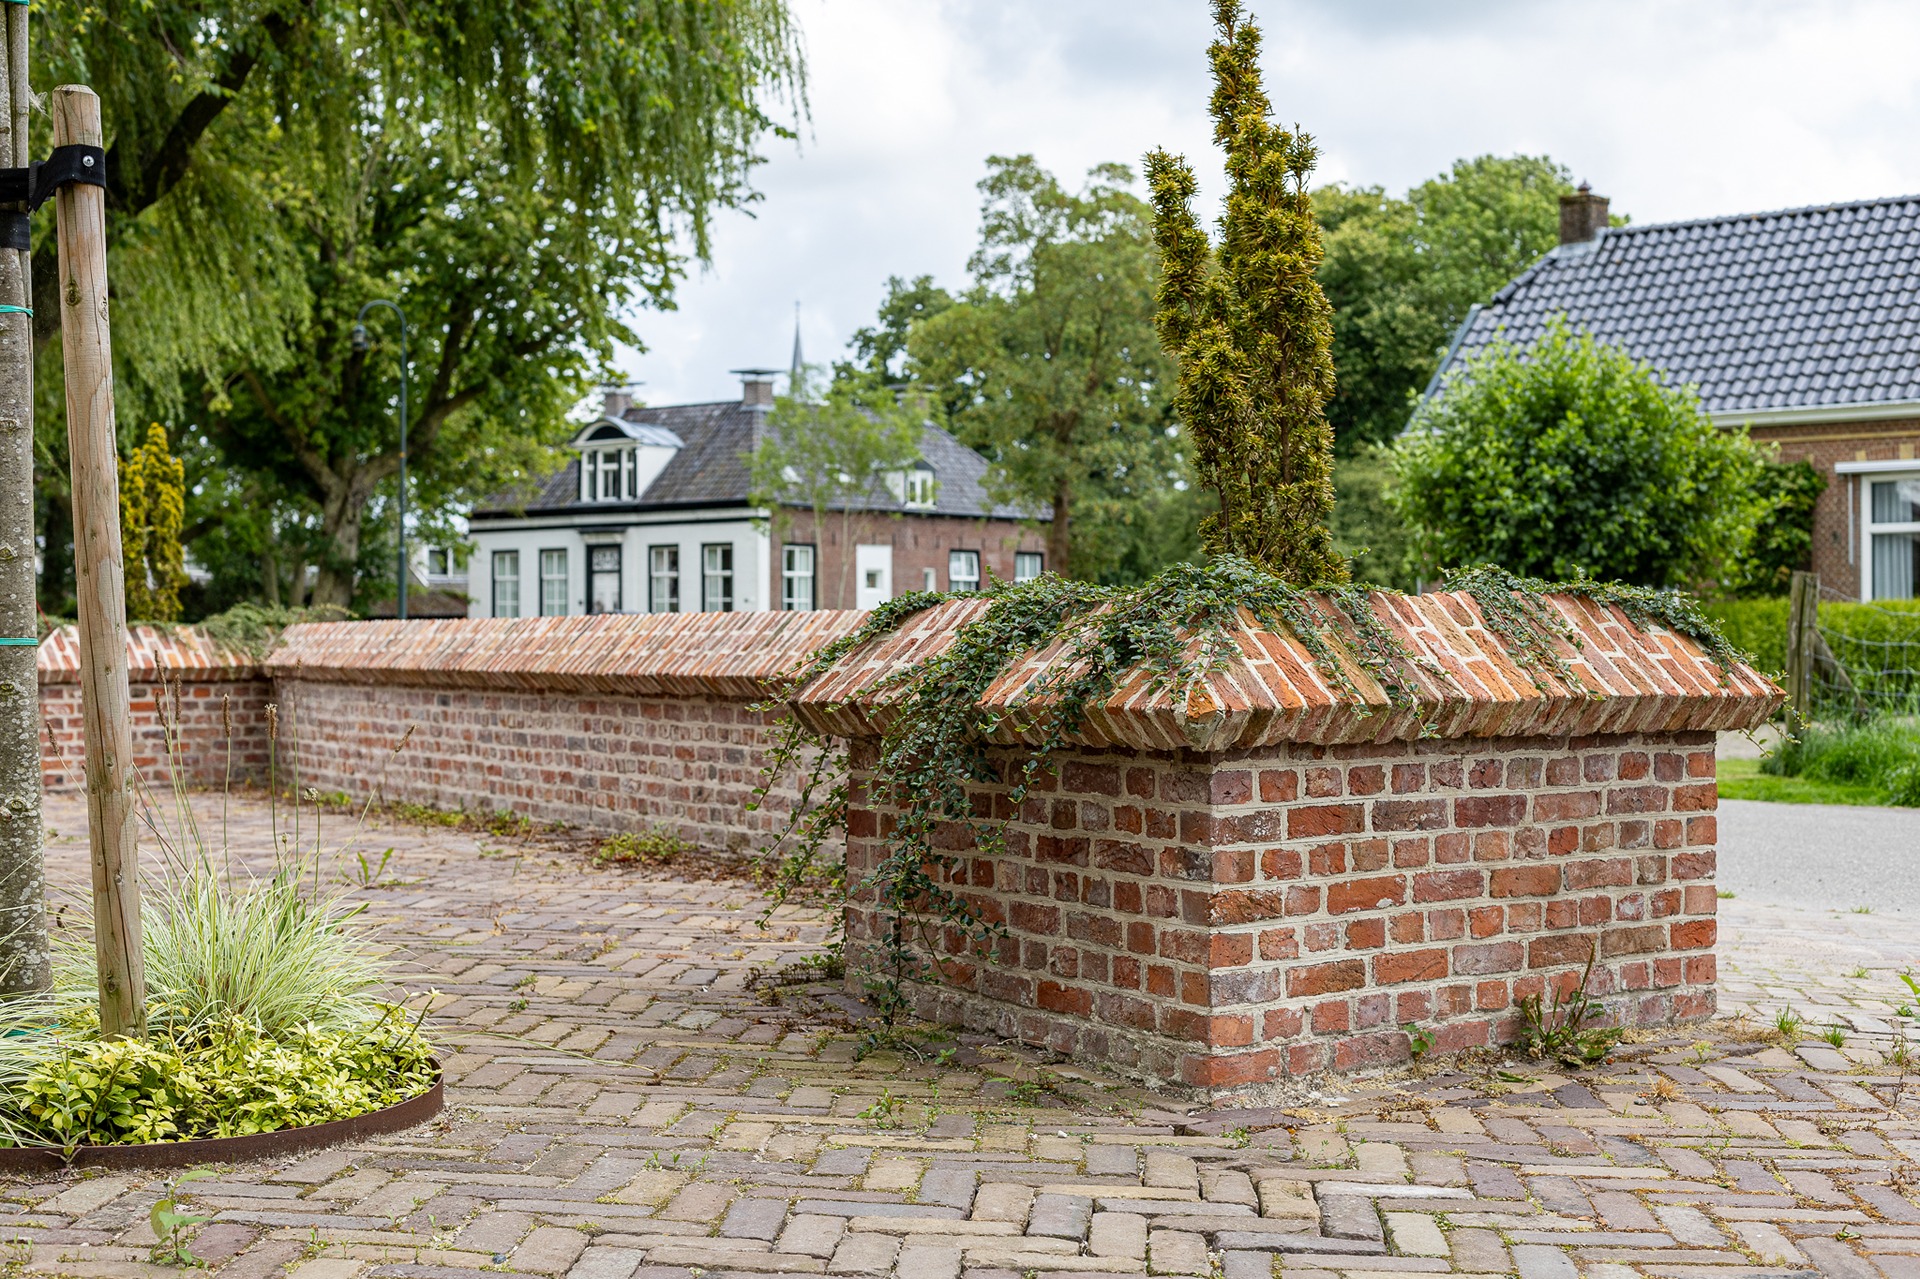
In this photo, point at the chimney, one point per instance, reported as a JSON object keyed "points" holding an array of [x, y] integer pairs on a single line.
{"points": [[616, 399], [1582, 216], [756, 387]]}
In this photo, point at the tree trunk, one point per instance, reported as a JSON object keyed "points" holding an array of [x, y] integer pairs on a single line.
{"points": [[24, 958], [341, 519], [1059, 540]]}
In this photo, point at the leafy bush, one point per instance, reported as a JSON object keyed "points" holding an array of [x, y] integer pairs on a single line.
{"points": [[1569, 457], [261, 1015], [1883, 753], [1879, 644], [1754, 626], [255, 628], [1783, 538], [229, 1080]]}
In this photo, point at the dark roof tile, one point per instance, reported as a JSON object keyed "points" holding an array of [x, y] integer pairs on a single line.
{"points": [[1797, 308]]}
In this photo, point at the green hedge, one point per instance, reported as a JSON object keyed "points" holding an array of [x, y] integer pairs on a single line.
{"points": [[1879, 644], [1755, 627]]}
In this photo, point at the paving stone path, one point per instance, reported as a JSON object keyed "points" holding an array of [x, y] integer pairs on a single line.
{"points": [[625, 1103]]}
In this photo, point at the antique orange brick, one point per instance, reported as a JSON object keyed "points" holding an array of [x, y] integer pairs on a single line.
{"points": [[1410, 965]]}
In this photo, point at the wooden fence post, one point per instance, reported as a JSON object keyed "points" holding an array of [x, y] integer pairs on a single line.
{"points": [[99, 574], [23, 897], [1803, 619]]}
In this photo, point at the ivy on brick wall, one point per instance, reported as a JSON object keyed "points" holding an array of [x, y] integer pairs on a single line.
{"points": [[937, 747]]}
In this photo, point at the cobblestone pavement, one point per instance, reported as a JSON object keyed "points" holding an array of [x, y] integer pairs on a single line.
{"points": [[624, 1105]]}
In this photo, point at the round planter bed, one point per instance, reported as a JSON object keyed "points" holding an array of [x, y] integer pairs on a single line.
{"points": [[231, 1150]]}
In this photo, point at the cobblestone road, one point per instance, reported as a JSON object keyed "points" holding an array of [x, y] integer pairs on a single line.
{"points": [[623, 1105]]}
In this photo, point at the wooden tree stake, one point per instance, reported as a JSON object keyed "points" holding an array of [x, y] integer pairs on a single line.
{"points": [[23, 898], [99, 574]]}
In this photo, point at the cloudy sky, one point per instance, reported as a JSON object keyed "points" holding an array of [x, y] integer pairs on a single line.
{"points": [[1674, 108]]}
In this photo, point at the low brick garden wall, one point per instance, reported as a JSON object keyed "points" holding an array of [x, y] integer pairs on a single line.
{"points": [[1270, 879], [608, 723], [197, 709]]}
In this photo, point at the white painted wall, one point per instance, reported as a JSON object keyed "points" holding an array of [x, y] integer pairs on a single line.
{"points": [[636, 535], [873, 575]]}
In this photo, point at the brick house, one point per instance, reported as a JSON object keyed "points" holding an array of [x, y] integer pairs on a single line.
{"points": [[1802, 325], [654, 516]]}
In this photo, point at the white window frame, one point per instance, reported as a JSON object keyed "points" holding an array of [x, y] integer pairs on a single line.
{"points": [[716, 577], [510, 605], [799, 568], [920, 490], [1869, 529], [1020, 562], [959, 581], [663, 579], [549, 581]]}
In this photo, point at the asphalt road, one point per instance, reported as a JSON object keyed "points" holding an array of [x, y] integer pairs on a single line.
{"points": [[1821, 856]]}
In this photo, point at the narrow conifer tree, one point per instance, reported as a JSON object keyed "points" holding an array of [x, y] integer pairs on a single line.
{"points": [[153, 507], [1250, 327]]}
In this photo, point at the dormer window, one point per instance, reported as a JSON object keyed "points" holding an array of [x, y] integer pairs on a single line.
{"points": [[920, 487], [620, 459], [607, 475]]}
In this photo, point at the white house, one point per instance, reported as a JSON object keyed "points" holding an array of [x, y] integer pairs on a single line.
{"points": [[655, 515]]}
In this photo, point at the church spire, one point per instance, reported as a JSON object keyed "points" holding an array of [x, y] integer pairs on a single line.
{"points": [[797, 374]]}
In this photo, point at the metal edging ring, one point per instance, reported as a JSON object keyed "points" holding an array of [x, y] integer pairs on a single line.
{"points": [[156, 1155]]}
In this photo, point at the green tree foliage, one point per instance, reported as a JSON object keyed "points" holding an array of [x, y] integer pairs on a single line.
{"points": [[1250, 327], [832, 449], [880, 351], [1402, 272], [1570, 457], [515, 175], [1048, 363], [1783, 539], [153, 506]]}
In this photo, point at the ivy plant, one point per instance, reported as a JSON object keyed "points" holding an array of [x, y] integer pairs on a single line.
{"points": [[940, 746]]}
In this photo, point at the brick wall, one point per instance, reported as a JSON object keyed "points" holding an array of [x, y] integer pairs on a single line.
{"points": [[1225, 921], [603, 762], [191, 701], [1262, 872], [609, 722]]}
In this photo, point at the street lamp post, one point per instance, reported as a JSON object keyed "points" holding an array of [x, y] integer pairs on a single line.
{"points": [[361, 343]]}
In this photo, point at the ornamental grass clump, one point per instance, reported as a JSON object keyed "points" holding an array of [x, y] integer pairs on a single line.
{"points": [[264, 1012]]}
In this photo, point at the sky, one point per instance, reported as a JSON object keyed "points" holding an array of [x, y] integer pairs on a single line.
{"points": [[1675, 109]]}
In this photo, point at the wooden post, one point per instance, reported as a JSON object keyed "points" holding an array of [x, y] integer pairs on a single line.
{"points": [[24, 958], [1803, 617], [99, 575]]}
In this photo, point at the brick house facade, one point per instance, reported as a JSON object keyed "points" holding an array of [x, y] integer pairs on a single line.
{"points": [[1802, 325]]}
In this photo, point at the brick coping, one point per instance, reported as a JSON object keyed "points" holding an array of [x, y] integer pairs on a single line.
{"points": [[736, 655], [151, 652], [733, 655], [1628, 679]]}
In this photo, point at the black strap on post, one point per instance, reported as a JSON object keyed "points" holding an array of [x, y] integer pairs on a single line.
{"points": [[34, 185], [16, 231]]}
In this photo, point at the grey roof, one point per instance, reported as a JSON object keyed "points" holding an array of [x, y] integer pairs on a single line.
{"points": [[1801, 308], [711, 470], [639, 432]]}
